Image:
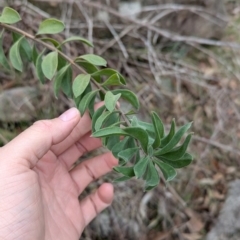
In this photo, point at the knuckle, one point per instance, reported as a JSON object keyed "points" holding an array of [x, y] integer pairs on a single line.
{"points": [[43, 125], [90, 172], [94, 205]]}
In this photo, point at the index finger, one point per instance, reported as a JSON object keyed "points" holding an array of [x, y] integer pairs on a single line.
{"points": [[82, 128], [32, 144]]}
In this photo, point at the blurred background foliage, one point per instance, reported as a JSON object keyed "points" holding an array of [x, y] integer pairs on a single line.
{"points": [[181, 57]]}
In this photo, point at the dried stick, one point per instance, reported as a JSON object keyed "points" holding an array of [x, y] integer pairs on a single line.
{"points": [[169, 35]]}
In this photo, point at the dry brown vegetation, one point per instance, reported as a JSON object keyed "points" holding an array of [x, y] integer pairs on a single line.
{"points": [[186, 77]]}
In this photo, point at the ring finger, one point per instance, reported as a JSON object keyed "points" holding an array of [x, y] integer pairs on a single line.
{"points": [[85, 144], [92, 169]]}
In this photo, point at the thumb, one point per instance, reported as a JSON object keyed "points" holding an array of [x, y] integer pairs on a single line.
{"points": [[32, 144]]}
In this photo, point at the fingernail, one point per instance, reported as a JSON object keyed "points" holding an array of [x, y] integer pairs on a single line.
{"points": [[69, 114]]}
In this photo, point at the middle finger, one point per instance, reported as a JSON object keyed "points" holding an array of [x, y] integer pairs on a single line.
{"points": [[85, 144], [83, 127]]}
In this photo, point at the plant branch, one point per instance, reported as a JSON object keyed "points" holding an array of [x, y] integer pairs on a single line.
{"points": [[50, 47]]}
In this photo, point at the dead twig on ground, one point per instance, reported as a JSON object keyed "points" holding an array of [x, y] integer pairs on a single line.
{"points": [[169, 35], [225, 148]]}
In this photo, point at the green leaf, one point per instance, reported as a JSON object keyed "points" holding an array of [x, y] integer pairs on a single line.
{"points": [[9, 16], [111, 142], [61, 62], [25, 48], [126, 143], [90, 68], [152, 177], [79, 39], [148, 127], [131, 112], [126, 171], [101, 119], [131, 143], [121, 179], [101, 95], [128, 154], [169, 172], [34, 55], [104, 117], [140, 167], [58, 80], [139, 134], [84, 104], [111, 100], [50, 26], [50, 64], [135, 122], [118, 147], [159, 130], [94, 59], [150, 150], [137, 158], [78, 99], [96, 115], [129, 96], [148, 188], [182, 162], [67, 83], [114, 80], [91, 103], [109, 72], [118, 124], [104, 141], [80, 84], [177, 153], [15, 57], [171, 133], [39, 71], [112, 120], [3, 59], [109, 131], [91, 106], [54, 42], [175, 139]]}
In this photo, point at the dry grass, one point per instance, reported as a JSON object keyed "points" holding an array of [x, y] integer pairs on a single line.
{"points": [[176, 78]]}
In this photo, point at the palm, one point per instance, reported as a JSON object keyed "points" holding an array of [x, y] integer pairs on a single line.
{"points": [[41, 188], [64, 218]]}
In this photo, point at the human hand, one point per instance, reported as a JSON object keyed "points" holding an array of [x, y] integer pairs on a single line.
{"points": [[39, 189]]}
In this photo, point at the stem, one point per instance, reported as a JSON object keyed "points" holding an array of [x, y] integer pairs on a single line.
{"points": [[50, 47]]}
